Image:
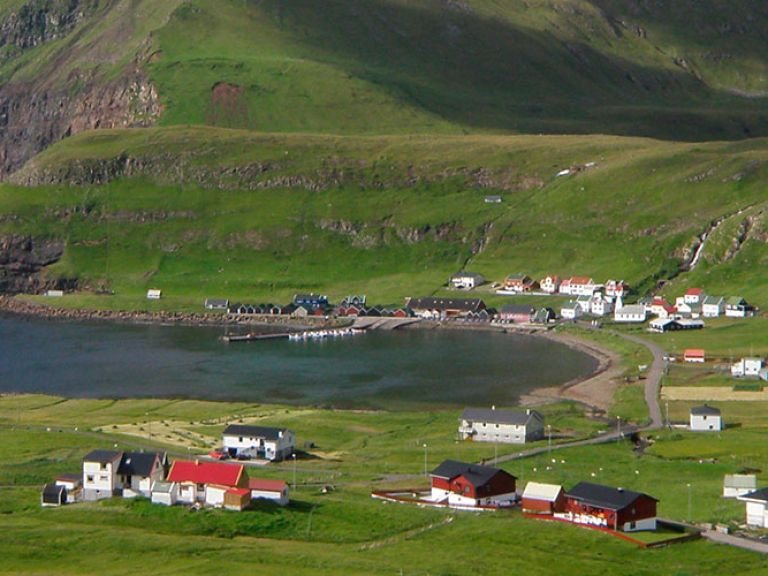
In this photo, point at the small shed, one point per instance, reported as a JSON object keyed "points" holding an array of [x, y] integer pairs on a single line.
{"points": [[53, 495], [694, 355], [275, 490], [705, 419], [165, 493], [154, 294], [757, 508], [216, 304], [539, 498], [237, 499], [735, 485]]}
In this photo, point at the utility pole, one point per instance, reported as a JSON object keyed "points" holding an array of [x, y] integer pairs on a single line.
{"points": [[689, 502], [549, 439], [425, 459], [294, 470], [618, 429]]}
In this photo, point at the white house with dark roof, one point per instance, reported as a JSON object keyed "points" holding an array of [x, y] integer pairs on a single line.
{"points": [[713, 306], [735, 485], [100, 479], [138, 472], [466, 280], [505, 426], [705, 419], [258, 442], [757, 508]]}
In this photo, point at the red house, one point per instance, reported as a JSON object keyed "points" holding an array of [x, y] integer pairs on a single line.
{"points": [[460, 484], [607, 507], [694, 355], [541, 498]]}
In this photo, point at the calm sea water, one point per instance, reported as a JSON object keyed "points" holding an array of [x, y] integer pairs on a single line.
{"points": [[415, 368]]}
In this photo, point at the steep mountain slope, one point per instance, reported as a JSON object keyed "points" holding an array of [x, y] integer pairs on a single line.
{"points": [[202, 211], [693, 70]]}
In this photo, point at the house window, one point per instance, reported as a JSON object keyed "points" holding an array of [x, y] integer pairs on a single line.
{"points": [[89, 478], [241, 438], [103, 466]]}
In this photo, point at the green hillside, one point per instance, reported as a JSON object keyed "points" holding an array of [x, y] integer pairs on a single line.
{"points": [[197, 211]]}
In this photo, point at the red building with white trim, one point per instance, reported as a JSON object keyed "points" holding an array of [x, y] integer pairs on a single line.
{"points": [[608, 507], [461, 484]]}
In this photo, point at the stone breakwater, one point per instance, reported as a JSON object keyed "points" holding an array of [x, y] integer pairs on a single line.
{"points": [[22, 307]]}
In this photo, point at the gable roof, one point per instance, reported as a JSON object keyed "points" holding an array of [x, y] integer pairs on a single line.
{"points": [[740, 481], [432, 303], [102, 456], [631, 309], [713, 300], [138, 463], [705, 411], [266, 432], [514, 417], [761, 495], [605, 496], [694, 352], [53, 493], [266, 485], [694, 292], [206, 472], [476, 474], [736, 301], [518, 309], [540, 491]]}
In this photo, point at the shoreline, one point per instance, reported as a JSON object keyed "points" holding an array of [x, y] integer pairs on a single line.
{"points": [[594, 390]]}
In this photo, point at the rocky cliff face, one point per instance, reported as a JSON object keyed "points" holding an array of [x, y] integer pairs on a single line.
{"points": [[22, 263], [38, 112]]}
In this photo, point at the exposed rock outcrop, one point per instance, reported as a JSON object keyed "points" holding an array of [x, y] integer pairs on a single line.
{"points": [[22, 263]]}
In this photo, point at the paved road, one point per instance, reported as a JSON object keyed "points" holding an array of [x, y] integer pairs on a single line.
{"points": [[729, 540]]}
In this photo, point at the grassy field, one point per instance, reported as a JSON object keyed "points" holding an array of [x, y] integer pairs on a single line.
{"points": [[259, 217], [346, 531]]}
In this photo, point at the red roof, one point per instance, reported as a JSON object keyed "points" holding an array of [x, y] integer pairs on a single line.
{"points": [[694, 292], [239, 491], [206, 473], [267, 485], [580, 280], [694, 353]]}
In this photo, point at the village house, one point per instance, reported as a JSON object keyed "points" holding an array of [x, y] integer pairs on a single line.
{"points": [[211, 483], [585, 303], [757, 508], [274, 490], [616, 288], [713, 306], [505, 426], [737, 307], [262, 442], [705, 419], [216, 304], [600, 305], [437, 308], [310, 302], [550, 284], [662, 325], [571, 310], [519, 283], [138, 471], [460, 484], [747, 367], [466, 280], [518, 313], [608, 507], [694, 355], [631, 313], [686, 309], [579, 286], [694, 296], [541, 498], [544, 316], [100, 479], [354, 300], [735, 485]]}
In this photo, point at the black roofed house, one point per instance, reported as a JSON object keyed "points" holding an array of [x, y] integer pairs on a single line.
{"points": [[459, 484], [437, 308], [757, 508], [608, 507], [216, 304], [505, 426], [706, 419], [53, 495], [518, 313], [138, 472], [311, 301], [258, 442], [466, 280]]}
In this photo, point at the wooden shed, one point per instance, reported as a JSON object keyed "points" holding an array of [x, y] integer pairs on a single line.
{"points": [[541, 498]]}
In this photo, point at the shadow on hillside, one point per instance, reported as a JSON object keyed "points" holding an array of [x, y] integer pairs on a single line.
{"points": [[485, 73]]}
